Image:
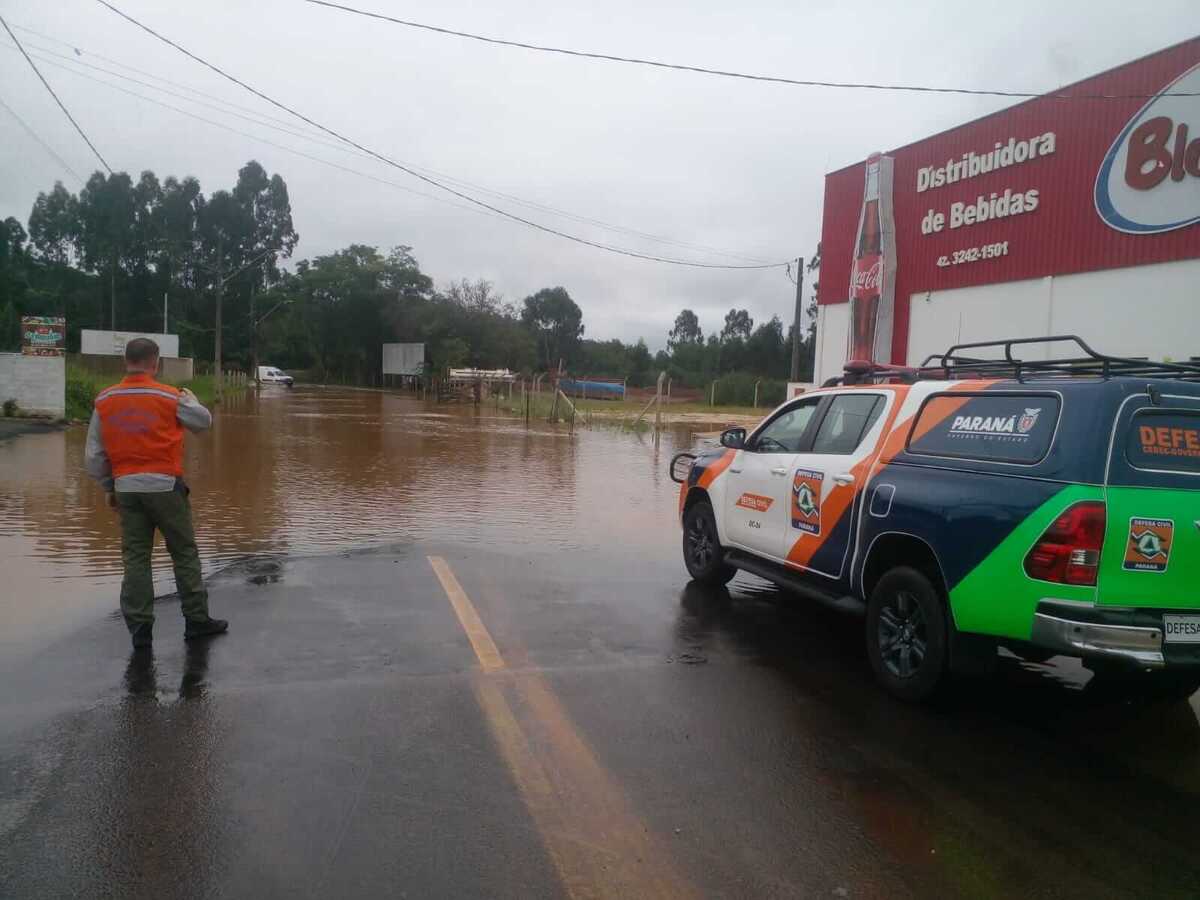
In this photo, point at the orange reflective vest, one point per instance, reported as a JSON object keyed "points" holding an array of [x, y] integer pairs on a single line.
{"points": [[139, 427]]}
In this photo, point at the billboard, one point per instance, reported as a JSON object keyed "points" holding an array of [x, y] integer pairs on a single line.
{"points": [[43, 335], [1103, 174], [403, 359], [112, 343]]}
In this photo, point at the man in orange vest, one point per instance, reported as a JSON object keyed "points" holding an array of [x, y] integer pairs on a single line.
{"points": [[135, 451]]}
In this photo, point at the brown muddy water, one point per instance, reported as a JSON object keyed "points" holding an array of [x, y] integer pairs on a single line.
{"points": [[313, 470]]}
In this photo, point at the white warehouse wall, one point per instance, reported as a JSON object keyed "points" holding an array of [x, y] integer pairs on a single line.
{"points": [[833, 337], [1149, 310], [1138, 311]]}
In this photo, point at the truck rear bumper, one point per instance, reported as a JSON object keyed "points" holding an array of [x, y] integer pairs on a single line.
{"points": [[1140, 645]]}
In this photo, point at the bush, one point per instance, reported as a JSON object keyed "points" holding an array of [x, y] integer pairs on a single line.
{"points": [[10, 408], [737, 389], [82, 388]]}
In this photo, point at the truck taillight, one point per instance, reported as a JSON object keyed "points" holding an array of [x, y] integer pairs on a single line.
{"points": [[1069, 551]]}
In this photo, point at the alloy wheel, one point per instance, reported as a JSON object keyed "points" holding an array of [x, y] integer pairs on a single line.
{"points": [[902, 635]]}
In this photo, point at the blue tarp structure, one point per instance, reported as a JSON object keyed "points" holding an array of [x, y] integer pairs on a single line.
{"points": [[601, 390]]}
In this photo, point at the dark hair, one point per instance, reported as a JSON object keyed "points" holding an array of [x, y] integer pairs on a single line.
{"points": [[140, 351]]}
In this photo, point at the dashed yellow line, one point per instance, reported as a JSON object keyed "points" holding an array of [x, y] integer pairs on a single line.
{"points": [[599, 846]]}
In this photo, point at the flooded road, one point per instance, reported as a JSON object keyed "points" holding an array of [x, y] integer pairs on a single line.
{"points": [[465, 661], [311, 470]]}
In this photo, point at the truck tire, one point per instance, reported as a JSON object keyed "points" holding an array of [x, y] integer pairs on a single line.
{"points": [[907, 639], [702, 551]]}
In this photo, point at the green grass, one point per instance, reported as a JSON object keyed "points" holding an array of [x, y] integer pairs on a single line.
{"points": [[608, 410], [83, 386]]}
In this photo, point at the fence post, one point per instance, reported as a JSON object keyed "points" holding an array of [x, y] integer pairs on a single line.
{"points": [[658, 395], [756, 384]]}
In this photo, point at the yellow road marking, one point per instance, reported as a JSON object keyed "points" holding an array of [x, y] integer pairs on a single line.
{"points": [[599, 846], [485, 648]]}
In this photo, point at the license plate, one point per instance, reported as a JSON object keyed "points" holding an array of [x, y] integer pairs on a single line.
{"points": [[1181, 629]]}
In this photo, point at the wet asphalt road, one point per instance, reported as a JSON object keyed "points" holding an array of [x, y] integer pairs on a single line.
{"points": [[529, 725]]}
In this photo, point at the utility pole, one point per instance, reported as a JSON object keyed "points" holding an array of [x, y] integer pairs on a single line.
{"points": [[798, 318], [220, 303], [164, 312], [253, 337]]}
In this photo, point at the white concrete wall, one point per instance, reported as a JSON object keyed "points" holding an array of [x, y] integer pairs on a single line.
{"points": [[112, 343], [37, 383], [1139, 311], [833, 337]]}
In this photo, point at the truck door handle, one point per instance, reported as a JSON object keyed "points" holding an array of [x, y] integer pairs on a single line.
{"points": [[735, 471], [779, 471], [844, 478]]}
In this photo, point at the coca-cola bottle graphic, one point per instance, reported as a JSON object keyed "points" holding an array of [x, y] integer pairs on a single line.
{"points": [[866, 275]]}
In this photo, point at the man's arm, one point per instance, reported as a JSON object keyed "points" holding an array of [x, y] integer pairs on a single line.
{"points": [[95, 457], [191, 413]]}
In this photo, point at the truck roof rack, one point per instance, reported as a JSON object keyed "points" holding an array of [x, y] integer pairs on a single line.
{"points": [[956, 363]]}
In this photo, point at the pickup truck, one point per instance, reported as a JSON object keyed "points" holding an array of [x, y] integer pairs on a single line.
{"points": [[1051, 507]]}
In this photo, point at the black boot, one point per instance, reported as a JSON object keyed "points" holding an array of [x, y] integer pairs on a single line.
{"points": [[142, 635], [205, 628]]}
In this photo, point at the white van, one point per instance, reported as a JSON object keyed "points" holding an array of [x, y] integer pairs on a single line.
{"points": [[272, 375]]}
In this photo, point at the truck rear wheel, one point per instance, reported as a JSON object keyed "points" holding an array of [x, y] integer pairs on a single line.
{"points": [[702, 551], [907, 637]]}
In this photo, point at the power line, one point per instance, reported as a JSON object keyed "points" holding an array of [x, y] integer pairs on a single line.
{"points": [[269, 143], [264, 121], [33, 134], [704, 70], [66, 112], [460, 194], [81, 52]]}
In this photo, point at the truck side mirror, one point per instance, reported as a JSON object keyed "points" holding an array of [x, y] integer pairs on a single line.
{"points": [[733, 438]]}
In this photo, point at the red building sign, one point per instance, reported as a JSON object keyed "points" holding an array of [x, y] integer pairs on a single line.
{"points": [[1096, 176]]}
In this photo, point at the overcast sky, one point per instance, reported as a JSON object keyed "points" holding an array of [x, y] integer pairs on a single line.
{"points": [[726, 164]]}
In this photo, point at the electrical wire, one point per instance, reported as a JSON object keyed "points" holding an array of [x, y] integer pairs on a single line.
{"points": [[622, 251], [265, 122], [80, 52], [33, 134], [704, 70], [269, 143], [61, 106]]}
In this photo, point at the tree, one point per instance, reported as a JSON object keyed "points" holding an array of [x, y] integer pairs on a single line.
{"points": [[54, 225], [738, 324], [268, 215], [450, 353], [474, 295], [13, 282], [686, 330], [767, 351], [556, 321], [106, 232]]}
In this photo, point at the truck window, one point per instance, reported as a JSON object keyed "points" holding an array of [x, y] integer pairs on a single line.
{"points": [[785, 432], [1167, 440], [1008, 428], [847, 420]]}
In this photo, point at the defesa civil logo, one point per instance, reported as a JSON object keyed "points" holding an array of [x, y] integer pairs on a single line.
{"points": [[1149, 181]]}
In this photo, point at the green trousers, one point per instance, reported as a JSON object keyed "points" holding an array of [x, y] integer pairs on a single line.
{"points": [[170, 513]]}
